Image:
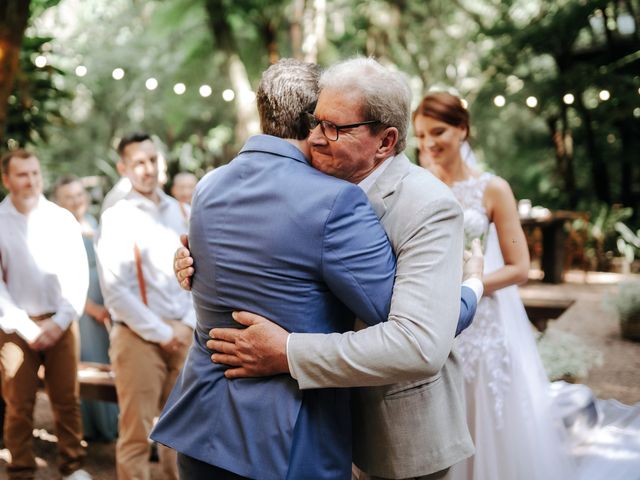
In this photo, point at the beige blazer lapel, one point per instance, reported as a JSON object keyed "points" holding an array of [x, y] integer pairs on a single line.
{"points": [[385, 186]]}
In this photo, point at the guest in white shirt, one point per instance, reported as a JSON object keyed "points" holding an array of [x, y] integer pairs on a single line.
{"points": [[42, 291], [153, 318]]}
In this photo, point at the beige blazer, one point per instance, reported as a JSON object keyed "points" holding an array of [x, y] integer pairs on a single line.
{"points": [[416, 426]]}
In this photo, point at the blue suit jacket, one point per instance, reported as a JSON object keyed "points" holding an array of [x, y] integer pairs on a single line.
{"points": [[273, 236], [468, 304]]}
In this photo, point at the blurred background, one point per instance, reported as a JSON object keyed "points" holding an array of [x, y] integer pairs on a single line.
{"points": [[553, 87]]}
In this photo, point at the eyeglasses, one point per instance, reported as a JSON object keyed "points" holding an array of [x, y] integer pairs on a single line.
{"points": [[330, 130]]}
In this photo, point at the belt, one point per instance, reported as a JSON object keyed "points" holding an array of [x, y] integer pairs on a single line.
{"points": [[40, 318]]}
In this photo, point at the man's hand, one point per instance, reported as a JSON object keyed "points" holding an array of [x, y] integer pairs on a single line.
{"points": [[473, 261], [98, 312], [182, 337], [182, 264], [259, 350], [49, 335]]}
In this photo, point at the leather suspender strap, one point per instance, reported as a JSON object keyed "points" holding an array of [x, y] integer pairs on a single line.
{"points": [[141, 284], [3, 271], [183, 211]]}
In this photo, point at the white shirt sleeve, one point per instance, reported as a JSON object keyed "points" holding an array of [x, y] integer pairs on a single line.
{"points": [[73, 274], [289, 360], [476, 285], [116, 267]]}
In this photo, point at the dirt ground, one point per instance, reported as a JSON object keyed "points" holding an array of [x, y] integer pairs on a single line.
{"points": [[618, 377]]}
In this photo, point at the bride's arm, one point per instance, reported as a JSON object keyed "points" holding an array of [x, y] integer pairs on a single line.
{"points": [[502, 210]]}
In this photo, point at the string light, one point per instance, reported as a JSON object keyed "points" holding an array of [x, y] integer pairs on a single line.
{"points": [[228, 95], [40, 61], [151, 83]]}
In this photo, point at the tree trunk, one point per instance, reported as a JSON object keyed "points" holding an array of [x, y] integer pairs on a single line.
{"points": [[270, 33], [246, 117], [599, 172], [630, 146], [314, 29], [563, 143], [295, 28], [14, 15]]}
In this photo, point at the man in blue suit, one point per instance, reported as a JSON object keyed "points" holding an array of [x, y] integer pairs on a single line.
{"points": [[274, 236], [416, 427]]}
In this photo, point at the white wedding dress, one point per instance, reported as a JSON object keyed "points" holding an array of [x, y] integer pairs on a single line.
{"points": [[515, 430], [523, 427]]}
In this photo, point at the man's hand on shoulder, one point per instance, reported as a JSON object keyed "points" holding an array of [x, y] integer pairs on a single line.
{"points": [[49, 335], [183, 264], [259, 350]]}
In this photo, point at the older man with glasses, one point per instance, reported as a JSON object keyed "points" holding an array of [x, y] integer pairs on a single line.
{"points": [[415, 428]]}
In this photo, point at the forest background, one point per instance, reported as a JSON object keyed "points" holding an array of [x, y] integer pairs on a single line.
{"points": [[553, 87]]}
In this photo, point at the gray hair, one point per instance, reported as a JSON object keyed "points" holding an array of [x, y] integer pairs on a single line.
{"points": [[288, 91], [385, 94]]}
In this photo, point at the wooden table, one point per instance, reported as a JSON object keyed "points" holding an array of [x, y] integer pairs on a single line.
{"points": [[541, 310], [553, 241], [96, 382]]}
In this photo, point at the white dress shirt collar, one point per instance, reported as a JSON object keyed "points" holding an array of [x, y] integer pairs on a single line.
{"points": [[368, 182]]}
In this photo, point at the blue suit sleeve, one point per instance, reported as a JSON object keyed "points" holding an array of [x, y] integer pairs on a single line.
{"points": [[358, 263], [468, 304]]}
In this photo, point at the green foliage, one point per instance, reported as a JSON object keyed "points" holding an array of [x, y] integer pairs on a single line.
{"points": [[36, 101], [559, 156], [628, 243], [625, 301], [602, 233], [547, 49], [565, 356]]}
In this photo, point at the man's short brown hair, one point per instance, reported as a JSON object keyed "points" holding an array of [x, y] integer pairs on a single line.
{"points": [[287, 92], [7, 157]]}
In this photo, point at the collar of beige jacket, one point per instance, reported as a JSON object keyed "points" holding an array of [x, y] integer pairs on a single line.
{"points": [[387, 183]]}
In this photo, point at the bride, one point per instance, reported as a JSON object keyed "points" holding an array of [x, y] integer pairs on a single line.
{"points": [[509, 410]]}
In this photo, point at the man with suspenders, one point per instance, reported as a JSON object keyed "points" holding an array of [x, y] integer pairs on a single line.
{"points": [[153, 318]]}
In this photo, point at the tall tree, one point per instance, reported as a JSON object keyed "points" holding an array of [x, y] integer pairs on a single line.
{"points": [[14, 15]]}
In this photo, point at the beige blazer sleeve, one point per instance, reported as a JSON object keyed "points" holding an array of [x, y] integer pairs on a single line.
{"points": [[424, 224]]}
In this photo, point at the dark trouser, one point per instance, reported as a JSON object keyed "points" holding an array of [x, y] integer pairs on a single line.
{"points": [[191, 469], [20, 366]]}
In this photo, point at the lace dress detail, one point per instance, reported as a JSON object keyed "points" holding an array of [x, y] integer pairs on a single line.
{"points": [[483, 345]]}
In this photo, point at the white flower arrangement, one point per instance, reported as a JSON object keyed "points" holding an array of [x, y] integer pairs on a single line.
{"points": [[565, 356], [475, 226]]}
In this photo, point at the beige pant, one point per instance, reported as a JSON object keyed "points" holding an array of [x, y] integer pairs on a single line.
{"points": [[357, 474], [20, 383], [144, 377]]}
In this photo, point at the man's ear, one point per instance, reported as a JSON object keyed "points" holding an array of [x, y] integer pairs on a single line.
{"points": [[5, 181], [388, 142], [121, 168]]}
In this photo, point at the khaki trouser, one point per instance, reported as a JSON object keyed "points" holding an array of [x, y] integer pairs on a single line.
{"points": [[357, 474], [144, 377], [20, 366]]}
